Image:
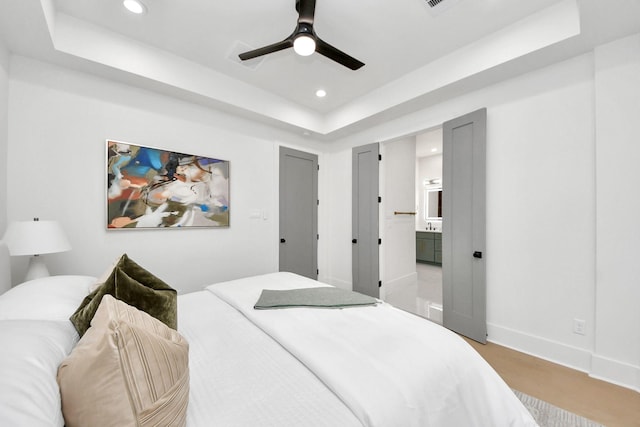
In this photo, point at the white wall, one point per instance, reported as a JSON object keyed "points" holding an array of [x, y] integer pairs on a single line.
{"points": [[58, 123], [4, 100], [617, 87], [541, 209], [398, 252], [335, 214], [541, 213]]}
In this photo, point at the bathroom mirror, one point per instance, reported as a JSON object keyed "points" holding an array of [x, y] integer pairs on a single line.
{"points": [[432, 203]]}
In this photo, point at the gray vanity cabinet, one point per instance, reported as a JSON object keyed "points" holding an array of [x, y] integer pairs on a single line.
{"points": [[429, 247]]}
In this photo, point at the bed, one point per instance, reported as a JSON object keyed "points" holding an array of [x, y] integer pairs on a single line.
{"points": [[371, 365]]}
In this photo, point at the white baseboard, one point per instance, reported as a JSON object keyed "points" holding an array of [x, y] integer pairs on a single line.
{"points": [[562, 354], [595, 366], [615, 372]]}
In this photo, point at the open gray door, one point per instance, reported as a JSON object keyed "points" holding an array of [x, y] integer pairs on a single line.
{"points": [[365, 252], [299, 212], [463, 227]]}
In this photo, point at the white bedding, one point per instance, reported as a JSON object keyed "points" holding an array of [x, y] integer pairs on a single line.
{"points": [[241, 377], [36, 336], [29, 359], [372, 366], [390, 367], [47, 298]]}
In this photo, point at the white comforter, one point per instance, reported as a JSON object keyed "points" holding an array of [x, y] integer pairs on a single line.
{"points": [[239, 376], [389, 367]]}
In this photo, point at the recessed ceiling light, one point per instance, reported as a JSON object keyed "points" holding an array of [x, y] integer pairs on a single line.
{"points": [[134, 6], [321, 93], [433, 150]]}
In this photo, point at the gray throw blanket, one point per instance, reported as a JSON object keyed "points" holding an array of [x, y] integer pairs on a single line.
{"points": [[322, 297]]}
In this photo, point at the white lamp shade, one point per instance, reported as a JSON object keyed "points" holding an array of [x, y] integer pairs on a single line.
{"points": [[36, 238]]}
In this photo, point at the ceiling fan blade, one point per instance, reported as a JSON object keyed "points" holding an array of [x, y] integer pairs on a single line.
{"points": [[284, 44], [325, 49], [306, 10]]}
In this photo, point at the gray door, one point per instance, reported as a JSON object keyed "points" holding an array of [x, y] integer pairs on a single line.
{"points": [[299, 212], [365, 252], [463, 228]]}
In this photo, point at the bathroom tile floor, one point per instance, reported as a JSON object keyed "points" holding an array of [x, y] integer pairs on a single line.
{"points": [[429, 282], [423, 298]]}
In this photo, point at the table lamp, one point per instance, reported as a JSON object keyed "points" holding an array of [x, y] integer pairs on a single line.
{"points": [[36, 238]]}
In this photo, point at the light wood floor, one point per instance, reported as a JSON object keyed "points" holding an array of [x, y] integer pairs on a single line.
{"points": [[566, 388]]}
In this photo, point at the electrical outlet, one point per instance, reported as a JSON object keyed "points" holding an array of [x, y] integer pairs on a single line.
{"points": [[579, 326]]}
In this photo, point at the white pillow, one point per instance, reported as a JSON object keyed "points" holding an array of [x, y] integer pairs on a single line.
{"points": [[48, 298], [31, 353]]}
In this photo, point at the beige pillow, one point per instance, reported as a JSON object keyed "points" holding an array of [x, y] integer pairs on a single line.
{"points": [[129, 369]]}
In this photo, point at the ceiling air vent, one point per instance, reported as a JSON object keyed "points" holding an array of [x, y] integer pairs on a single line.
{"points": [[438, 6], [239, 47]]}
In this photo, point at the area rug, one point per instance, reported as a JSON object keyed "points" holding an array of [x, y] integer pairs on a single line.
{"points": [[547, 415]]}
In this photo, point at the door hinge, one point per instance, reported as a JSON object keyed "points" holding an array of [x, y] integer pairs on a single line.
{"points": [[379, 283], [318, 167], [317, 237], [318, 202], [317, 271], [379, 199], [379, 241], [379, 157]]}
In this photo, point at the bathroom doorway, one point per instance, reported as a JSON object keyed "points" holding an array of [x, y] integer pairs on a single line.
{"points": [[411, 224], [454, 190]]}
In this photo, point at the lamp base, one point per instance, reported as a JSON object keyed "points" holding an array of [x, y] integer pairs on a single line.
{"points": [[37, 268]]}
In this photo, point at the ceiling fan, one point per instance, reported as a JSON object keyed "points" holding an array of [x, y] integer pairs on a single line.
{"points": [[305, 41]]}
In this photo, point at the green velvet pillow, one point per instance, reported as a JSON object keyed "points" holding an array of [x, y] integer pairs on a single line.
{"points": [[135, 286]]}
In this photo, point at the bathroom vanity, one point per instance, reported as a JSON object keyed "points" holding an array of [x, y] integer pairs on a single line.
{"points": [[429, 247]]}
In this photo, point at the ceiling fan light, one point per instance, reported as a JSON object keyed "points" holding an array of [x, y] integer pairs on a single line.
{"points": [[304, 45], [134, 6]]}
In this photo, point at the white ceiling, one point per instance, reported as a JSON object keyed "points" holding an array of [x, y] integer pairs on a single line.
{"points": [[429, 143], [413, 54]]}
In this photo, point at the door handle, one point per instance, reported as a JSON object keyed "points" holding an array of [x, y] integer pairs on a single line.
{"points": [[283, 241], [354, 241], [477, 254]]}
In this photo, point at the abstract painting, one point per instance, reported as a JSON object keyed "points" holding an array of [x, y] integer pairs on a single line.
{"points": [[154, 188]]}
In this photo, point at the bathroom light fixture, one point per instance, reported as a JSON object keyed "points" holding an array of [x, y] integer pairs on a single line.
{"points": [[304, 45], [321, 93], [135, 6], [36, 238], [433, 181], [434, 150]]}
